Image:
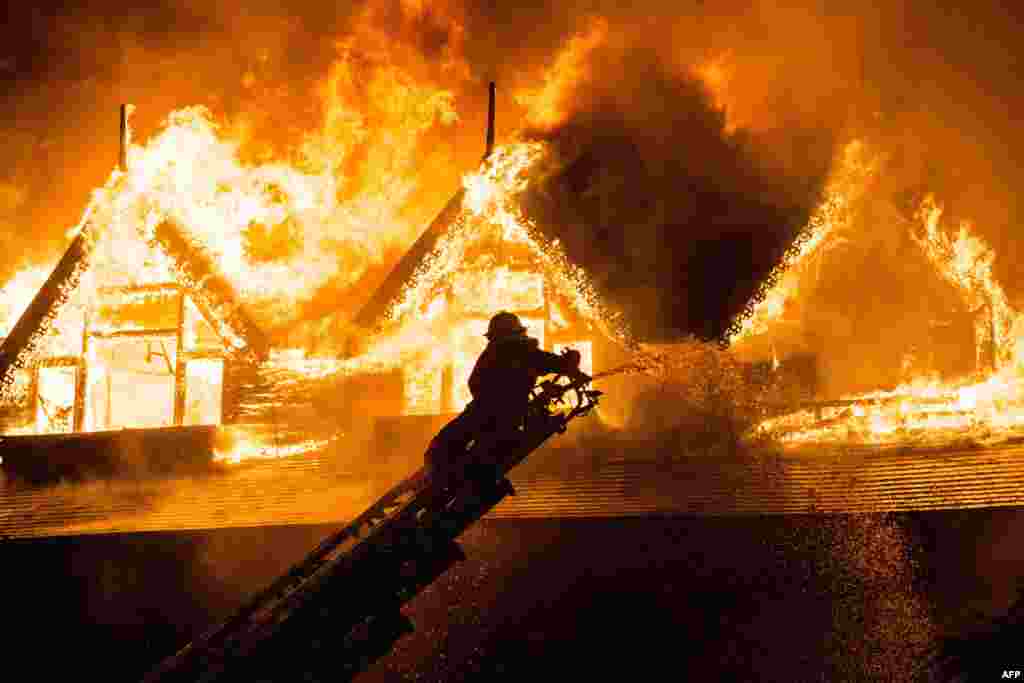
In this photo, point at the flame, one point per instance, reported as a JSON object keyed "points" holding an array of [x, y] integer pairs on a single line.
{"points": [[718, 74], [17, 293], [925, 411], [986, 406], [848, 182], [437, 324], [281, 230], [548, 106], [966, 262], [247, 449], [422, 318], [281, 226]]}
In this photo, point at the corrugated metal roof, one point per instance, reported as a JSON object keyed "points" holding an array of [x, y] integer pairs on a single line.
{"points": [[316, 490]]}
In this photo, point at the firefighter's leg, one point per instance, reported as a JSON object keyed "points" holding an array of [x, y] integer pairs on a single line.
{"points": [[447, 448], [492, 438]]}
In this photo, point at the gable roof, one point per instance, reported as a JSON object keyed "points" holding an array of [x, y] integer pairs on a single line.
{"points": [[194, 269], [443, 244], [843, 190], [387, 295], [844, 198]]}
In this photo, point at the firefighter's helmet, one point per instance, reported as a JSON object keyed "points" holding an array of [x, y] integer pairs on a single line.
{"points": [[504, 324]]}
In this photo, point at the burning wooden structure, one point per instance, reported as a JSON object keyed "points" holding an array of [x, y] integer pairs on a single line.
{"points": [[932, 355], [138, 328], [145, 337], [145, 352], [475, 259]]}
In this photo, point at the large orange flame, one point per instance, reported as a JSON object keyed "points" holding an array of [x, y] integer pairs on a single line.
{"points": [[987, 406]]}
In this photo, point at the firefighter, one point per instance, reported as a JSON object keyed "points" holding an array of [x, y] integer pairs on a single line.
{"points": [[500, 384]]}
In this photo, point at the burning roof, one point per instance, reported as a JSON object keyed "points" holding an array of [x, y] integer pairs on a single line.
{"points": [[485, 211], [188, 264], [883, 351]]}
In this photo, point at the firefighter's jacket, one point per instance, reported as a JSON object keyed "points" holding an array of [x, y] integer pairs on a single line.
{"points": [[507, 371]]}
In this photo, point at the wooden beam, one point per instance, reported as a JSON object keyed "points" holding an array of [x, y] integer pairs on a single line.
{"points": [[447, 388], [179, 369], [203, 355], [211, 292], [122, 157], [490, 119], [164, 332], [168, 288], [59, 362], [81, 377], [28, 332], [33, 396]]}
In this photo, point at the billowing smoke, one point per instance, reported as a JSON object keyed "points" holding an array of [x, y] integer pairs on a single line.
{"points": [[675, 215], [692, 141]]}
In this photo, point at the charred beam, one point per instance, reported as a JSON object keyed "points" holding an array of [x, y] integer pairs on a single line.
{"points": [[34, 323], [202, 355], [162, 332], [59, 362], [210, 291], [490, 119], [122, 157], [372, 314], [179, 367], [81, 378], [161, 289]]}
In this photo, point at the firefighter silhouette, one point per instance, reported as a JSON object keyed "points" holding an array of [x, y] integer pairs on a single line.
{"points": [[501, 382]]}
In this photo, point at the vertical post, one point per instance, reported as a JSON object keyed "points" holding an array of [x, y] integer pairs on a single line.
{"points": [[109, 400], [122, 158], [225, 378], [81, 377], [179, 364], [33, 397], [549, 329], [490, 119], [993, 332], [447, 389]]}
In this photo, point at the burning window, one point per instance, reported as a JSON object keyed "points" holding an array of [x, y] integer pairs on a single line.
{"points": [[199, 334], [204, 379], [424, 379], [467, 343], [131, 382], [21, 393], [55, 402]]}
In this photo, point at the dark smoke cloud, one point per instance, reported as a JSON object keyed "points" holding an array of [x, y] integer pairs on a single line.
{"points": [[675, 216]]}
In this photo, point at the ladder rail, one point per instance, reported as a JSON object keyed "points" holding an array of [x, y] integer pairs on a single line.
{"points": [[400, 527], [286, 583]]}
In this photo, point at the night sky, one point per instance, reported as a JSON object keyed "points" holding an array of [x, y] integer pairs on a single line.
{"points": [[676, 214]]}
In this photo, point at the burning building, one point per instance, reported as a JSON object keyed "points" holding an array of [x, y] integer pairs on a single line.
{"points": [[128, 339], [481, 254], [910, 332], [140, 326]]}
